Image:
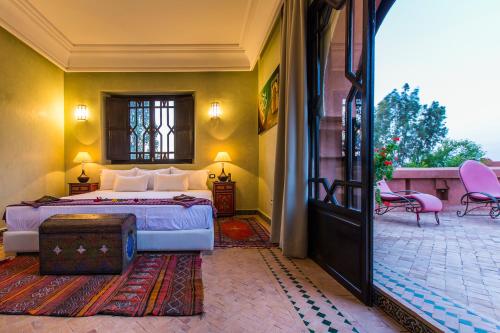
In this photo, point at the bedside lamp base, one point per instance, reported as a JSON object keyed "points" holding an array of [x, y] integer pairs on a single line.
{"points": [[83, 178], [223, 177]]}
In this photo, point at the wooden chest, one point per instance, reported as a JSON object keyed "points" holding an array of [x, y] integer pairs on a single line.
{"points": [[87, 243]]}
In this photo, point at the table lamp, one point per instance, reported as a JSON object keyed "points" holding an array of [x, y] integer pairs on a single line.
{"points": [[82, 157], [222, 156]]}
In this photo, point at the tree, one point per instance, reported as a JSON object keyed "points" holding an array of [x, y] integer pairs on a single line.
{"points": [[452, 153], [420, 127]]}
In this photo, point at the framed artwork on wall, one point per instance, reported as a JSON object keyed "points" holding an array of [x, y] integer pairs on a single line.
{"points": [[269, 102]]}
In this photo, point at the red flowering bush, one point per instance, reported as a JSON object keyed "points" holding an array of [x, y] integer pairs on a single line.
{"points": [[384, 163]]}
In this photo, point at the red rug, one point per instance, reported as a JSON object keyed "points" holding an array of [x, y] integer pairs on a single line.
{"points": [[154, 285], [243, 232]]}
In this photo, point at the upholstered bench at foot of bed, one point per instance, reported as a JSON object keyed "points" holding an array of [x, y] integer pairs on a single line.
{"points": [[171, 240], [20, 241]]}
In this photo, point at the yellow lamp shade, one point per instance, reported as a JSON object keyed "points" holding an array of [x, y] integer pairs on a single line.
{"points": [[82, 157], [222, 156]]}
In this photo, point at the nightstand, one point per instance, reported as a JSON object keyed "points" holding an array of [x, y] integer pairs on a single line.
{"points": [[79, 188], [224, 197]]}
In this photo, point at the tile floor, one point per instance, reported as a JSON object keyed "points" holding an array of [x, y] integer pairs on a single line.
{"points": [[246, 290], [460, 258], [445, 313]]}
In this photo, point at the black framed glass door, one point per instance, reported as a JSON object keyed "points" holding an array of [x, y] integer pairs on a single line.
{"points": [[340, 46]]}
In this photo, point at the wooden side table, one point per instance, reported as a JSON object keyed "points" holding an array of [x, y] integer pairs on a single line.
{"points": [[79, 188], [224, 197]]}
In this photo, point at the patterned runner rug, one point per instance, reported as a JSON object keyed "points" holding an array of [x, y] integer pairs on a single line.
{"points": [[243, 232], [154, 285]]}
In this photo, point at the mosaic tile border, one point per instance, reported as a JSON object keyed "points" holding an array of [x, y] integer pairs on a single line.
{"points": [[298, 289], [451, 315], [400, 314]]}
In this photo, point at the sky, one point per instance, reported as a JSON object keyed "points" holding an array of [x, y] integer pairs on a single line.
{"points": [[450, 49]]}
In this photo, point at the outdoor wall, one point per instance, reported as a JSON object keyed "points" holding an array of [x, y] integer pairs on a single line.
{"points": [[235, 131], [269, 60], [435, 181], [32, 123]]}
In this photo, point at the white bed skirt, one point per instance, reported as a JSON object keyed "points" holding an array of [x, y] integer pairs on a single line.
{"points": [[172, 240]]}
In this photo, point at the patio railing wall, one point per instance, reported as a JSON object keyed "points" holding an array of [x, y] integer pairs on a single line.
{"points": [[442, 182]]}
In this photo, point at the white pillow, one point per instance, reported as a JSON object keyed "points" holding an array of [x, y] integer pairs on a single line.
{"points": [[151, 174], [108, 177], [171, 182], [197, 178], [130, 184]]}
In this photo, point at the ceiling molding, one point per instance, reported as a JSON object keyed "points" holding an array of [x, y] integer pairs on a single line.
{"points": [[261, 16], [157, 61], [157, 47], [25, 25], [42, 21], [24, 21]]}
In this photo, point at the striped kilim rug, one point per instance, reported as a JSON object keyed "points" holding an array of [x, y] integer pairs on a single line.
{"points": [[243, 232], [154, 284]]}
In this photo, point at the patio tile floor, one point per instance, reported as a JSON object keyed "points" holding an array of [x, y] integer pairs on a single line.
{"points": [[447, 315], [460, 258]]}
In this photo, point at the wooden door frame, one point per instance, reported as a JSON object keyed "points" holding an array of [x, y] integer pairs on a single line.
{"points": [[363, 81]]}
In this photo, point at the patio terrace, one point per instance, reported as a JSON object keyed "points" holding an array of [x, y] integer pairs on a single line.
{"points": [[443, 183], [460, 258]]}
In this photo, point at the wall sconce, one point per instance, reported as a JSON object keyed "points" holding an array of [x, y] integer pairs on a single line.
{"points": [[81, 113], [215, 111]]}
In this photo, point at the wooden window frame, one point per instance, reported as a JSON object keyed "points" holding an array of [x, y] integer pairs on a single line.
{"points": [[118, 130]]}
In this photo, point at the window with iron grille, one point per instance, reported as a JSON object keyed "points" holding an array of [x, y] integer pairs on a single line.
{"points": [[150, 129]]}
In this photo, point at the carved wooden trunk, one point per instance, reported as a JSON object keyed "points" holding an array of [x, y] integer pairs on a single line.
{"points": [[87, 243]]}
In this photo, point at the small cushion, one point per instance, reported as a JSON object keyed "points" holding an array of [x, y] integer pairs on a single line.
{"points": [[151, 174], [178, 182], [197, 178], [477, 177], [385, 192], [131, 184], [108, 177], [428, 203]]}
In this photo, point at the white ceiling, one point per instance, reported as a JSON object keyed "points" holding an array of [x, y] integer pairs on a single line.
{"points": [[143, 35]]}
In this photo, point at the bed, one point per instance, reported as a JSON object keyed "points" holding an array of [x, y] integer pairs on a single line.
{"points": [[159, 227]]}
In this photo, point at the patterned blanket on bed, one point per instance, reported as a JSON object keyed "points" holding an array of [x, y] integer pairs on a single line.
{"points": [[182, 200]]}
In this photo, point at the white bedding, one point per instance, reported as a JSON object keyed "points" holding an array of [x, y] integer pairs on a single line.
{"points": [[154, 217]]}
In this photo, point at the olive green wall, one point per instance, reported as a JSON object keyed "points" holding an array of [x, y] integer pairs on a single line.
{"points": [[40, 136], [235, 131], [31, 125], [269, 60]]}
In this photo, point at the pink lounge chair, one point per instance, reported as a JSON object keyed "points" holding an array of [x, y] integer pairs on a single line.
{"points": [[412, 201], [482, 189]]}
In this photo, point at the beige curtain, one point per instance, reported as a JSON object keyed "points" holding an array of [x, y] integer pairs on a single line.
{"points": [[289, 218]]}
